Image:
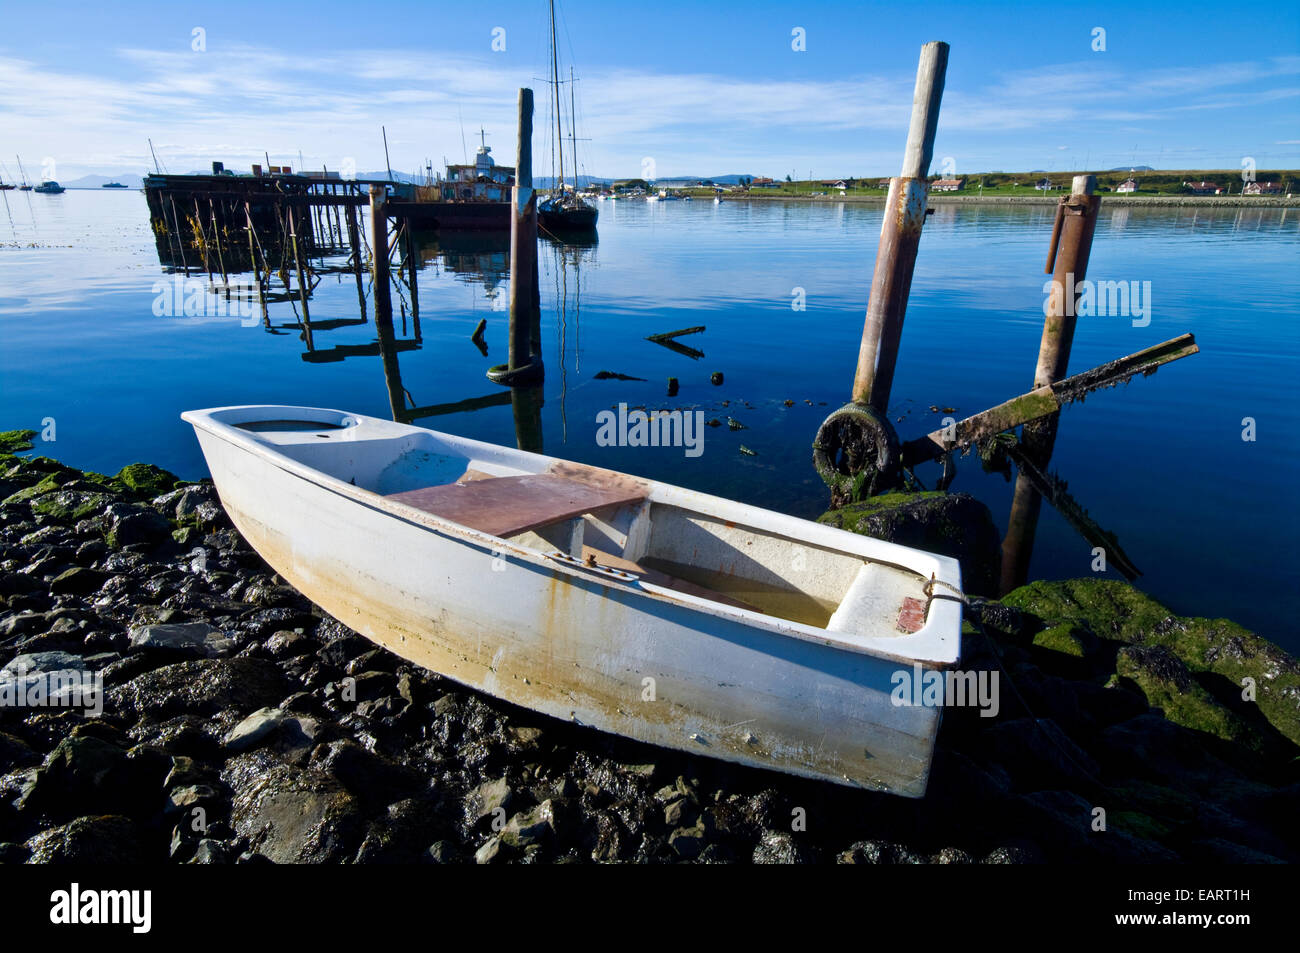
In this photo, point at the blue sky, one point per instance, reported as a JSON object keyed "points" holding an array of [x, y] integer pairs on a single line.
{"points": [[695, 89]]}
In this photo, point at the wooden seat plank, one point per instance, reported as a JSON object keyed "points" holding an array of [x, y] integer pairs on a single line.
{"points": [[507, 506]]}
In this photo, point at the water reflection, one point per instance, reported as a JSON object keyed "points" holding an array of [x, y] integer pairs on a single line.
{"points": [[972, 331]]}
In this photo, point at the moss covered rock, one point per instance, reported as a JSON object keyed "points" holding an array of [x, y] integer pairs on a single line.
{"points": [[950, 524], [145, 480], [1244, 663], [1168, 685], [12, 441], [50, 483], [69, 506], [1067, 639]]}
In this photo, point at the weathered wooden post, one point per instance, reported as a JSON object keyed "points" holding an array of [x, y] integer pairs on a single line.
{"points": [[525, 361], [257, 270], [354, 242], [526, 408], [900, 235], [392, 373], [180, 235], [412, 281], [216, 238], [302, 277], [203, 235], [379, 253], [856, 451]]}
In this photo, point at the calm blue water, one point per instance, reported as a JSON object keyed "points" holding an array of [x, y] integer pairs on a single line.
{"points": [[1208, 517]]}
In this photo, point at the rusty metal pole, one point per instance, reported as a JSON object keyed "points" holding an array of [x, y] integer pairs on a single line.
{"points": [[1067, 262], [524, 363], [900, 234]]}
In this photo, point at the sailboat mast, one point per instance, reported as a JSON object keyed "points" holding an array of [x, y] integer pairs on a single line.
{"points": [[573, 130], [555, 81]]}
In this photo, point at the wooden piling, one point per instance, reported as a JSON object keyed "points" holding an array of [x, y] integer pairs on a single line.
{"points": [[180, 235], [262, 274], [379, 254], [392, 372], [412, 279], [203, 236], [216, 239], [354, 242], [900, 235], [524, 362], [523, 238], [302, 278]]}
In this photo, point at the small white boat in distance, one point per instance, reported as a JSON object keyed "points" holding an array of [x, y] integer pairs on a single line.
{"points": [[631, 606]]}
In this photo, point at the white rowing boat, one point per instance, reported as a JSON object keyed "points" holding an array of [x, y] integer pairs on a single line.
{"points": [[636, 607]]}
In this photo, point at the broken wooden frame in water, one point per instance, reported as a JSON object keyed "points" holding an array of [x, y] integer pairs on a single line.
{"points": [[1043, 401], [669, 340]]}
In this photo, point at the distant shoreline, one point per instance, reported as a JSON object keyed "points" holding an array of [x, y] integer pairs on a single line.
{"points": [[1110, 199]]}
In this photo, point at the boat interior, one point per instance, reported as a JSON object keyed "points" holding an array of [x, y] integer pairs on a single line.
{"points": [[609, 523]]}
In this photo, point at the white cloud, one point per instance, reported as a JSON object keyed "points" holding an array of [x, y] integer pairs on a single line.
{"points": [[237, 103]]}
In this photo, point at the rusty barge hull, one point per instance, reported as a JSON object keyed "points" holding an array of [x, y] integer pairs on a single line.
{"points": [[455, 216], [570, 590]]}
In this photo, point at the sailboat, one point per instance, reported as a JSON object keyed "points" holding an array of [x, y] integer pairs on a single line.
{"points": [[24, 187], [564, 211]]}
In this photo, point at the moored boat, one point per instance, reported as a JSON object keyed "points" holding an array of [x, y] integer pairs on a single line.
{"points": [[49, 187], [561, 213], [628, 605], [564, 211]]}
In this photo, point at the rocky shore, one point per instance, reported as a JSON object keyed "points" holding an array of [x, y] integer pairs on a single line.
{"points": [[239, 724]]}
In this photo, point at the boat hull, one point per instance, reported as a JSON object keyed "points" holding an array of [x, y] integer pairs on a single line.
{"points": [[568, 219], [523, 628], [455, 216]]}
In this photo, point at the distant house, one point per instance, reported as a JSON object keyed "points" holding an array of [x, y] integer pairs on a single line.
{"points": [[1262, 188], [836, 184], [763, 182], [882, 184], [1204, 188], [947, 185], [1044, 185], [1128, 185]]}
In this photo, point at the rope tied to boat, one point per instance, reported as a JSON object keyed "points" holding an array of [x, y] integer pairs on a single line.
{"points": [[955, 594]]}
